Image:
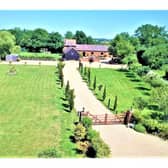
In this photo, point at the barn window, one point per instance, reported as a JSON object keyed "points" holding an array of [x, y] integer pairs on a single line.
{"points": [[102, 53], [92, 53]]}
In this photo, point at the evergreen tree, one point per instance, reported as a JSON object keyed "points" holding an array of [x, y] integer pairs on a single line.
{"points": [[88, 75], [71, 99], [104, 94], [67, 89], [85, 71], [115, 103], [109, 101], [94, 83]]}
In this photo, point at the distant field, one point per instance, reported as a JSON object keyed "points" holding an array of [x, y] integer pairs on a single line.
{"points": [[31, 55], [32, 118], [122, 84]]}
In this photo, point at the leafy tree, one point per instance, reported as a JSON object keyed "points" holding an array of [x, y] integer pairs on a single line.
{"points": [[155, 56], [90, 40], [104, 94], [121, 46], [94, 83], [115, 103], [39, 39], [7, 43], [150, 35], [69, 35], [55, 42], [159, 97], [80, 37]]}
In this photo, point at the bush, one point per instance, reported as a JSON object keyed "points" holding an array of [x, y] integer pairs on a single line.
{"points": [[164, 131], [140, 128], [87, 122], [141, 71], [49, 153], [102, 149], [92, 134], [79, 132], [139, 103], [82, 146], [151, 125]]}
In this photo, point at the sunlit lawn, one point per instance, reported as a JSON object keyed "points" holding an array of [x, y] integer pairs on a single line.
{"points": [[32, 117]]}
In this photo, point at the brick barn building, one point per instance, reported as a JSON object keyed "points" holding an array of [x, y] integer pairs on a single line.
{"points": [[73, 51]]}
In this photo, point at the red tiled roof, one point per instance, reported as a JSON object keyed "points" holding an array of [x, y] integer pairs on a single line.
{"points": [[90, 47]]}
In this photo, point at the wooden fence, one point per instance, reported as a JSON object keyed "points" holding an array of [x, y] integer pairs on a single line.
{"points": [[106, 119]]}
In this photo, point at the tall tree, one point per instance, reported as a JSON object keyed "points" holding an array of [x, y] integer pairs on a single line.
{"points": [[80, 37], [121, 46], [39, 39], [7, 43], [55, 42], [150, 35], [69, 35]]}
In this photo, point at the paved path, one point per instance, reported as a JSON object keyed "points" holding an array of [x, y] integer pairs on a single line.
{"points": [[124, 142]]}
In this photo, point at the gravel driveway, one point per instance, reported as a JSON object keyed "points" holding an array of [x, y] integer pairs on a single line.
{"points": [[123, 141]]}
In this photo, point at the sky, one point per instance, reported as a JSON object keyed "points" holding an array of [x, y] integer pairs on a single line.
{"points": [[97, 23]]}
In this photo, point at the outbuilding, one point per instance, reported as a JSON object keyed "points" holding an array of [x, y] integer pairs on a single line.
{"points": [[12, 57], [70, 54]]}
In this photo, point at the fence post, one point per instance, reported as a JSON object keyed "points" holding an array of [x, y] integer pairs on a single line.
{"points": [[105, 118]]}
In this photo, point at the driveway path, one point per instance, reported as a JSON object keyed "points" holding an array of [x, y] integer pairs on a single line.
{"points": [[124, 142]]}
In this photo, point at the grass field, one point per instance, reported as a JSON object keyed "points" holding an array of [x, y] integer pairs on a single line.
{"points": [[122, 84], [32, 117], [31, 55]]}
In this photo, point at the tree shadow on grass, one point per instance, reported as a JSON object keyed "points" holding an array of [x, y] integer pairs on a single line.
{"points": [[63, 98], [142, 88], [135, 80], [146, 93]]}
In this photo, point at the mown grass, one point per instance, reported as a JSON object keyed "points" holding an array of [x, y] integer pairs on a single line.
{"points": [[33, 55], [125, 85], [32, 117]]}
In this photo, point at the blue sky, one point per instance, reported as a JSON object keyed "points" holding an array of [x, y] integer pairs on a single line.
{"points": [[98, 24]]}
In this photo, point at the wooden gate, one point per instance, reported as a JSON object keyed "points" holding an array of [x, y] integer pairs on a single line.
{"points": [[106, 119]]}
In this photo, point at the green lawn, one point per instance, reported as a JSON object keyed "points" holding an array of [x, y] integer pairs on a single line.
{"points": [[32, 55], [122, 84], [32, 117]]}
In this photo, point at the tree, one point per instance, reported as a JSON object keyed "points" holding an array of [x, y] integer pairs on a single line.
{"points": [[155, 56], [94, 83], [39, 39], [115, 103], [159, 97], [121, 46], [69, 35], [80, 37], [55, 42], [7, 43], [90, 40], [67, 89], [88, 74], [104, 93], [71, 97], [150, 35], [109, 101]]}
